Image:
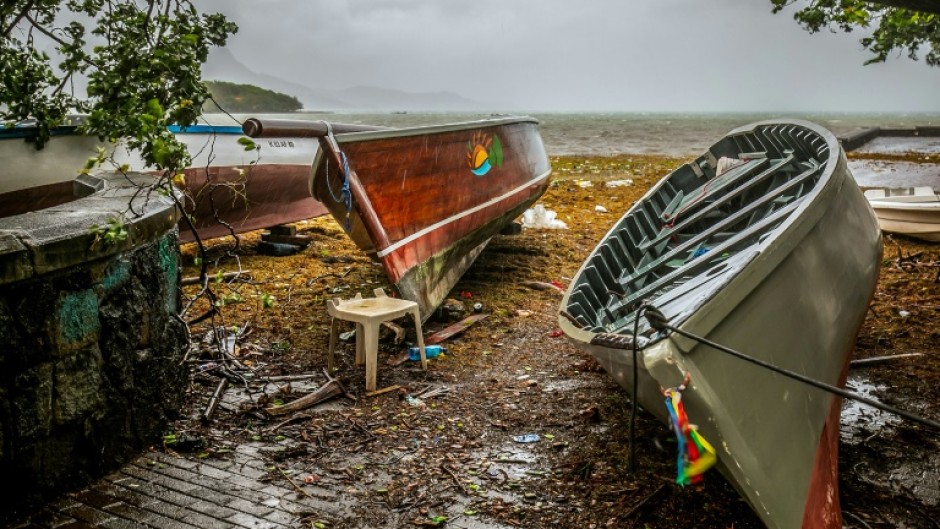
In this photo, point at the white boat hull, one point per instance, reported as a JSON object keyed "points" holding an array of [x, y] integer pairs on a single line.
{"points": [[245, 190], [911, 212], [795, 300]]}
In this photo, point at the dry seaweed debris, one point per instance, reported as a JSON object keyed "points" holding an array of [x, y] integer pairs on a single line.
{"points": [[405, 458]]}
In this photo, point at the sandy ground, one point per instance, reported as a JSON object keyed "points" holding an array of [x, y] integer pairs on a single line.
{"points": [[401, 461]]}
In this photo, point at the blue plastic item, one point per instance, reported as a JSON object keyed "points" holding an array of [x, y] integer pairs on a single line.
{"points": [[430, 351]]}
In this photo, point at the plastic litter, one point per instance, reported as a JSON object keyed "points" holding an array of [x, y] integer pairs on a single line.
{"points": [[415, 401], [903, 313], [619, 183], [527, 438], [541, 218], [208, 366], [726, 164], [430, 351], [600, 209]]}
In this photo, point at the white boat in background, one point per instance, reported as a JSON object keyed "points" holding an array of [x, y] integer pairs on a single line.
{"points": [[231, 189], [911, 211], [764, 244]]}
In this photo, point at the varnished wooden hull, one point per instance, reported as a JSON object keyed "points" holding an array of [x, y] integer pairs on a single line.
{"points": [[417, 205]]}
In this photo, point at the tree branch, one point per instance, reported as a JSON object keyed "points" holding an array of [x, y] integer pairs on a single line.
{"points": [[923, 6], [26, 8]]}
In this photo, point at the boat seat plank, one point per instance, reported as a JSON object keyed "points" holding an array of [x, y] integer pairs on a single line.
{"points": [[727, 246], [629, 281], [667, 233], [710, 189]]}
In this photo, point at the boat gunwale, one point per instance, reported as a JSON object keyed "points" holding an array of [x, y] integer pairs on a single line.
{"points": [[419, 130]]}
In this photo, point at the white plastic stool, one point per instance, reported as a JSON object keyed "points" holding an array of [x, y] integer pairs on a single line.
{"points": [[368, 314]]}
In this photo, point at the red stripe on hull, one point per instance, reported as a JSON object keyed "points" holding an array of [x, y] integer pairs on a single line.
{"points": [[267, 195], [823, 509]]}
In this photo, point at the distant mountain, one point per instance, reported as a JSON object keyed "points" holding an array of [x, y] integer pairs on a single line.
{"points": [[223, 66]]}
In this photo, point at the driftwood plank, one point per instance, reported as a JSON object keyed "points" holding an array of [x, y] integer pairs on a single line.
{"points": [[325, 392]]}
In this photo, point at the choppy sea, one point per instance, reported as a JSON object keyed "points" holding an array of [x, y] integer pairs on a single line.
{"points": [[679, 135], [622, 133]]}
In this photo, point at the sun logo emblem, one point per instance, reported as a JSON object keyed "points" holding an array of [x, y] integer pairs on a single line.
{"points": [[484, 153]]}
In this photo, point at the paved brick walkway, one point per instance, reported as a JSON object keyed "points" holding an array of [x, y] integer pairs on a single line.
{"points": [[159, 491]]}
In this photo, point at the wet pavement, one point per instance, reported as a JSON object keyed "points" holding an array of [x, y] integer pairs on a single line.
{"points": [[163, 491]]}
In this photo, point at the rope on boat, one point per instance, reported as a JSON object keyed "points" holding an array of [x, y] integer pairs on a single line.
{"points": [[345, 195], [659, 322], [695, 454], [636, 376]]}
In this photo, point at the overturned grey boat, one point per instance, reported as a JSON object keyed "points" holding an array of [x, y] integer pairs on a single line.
{"points": [[764, 244]]}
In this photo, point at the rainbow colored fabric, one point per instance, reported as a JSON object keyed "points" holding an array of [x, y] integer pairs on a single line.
{"points": [[696, 455]]}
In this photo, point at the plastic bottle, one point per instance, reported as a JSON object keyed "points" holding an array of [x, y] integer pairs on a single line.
{"points": [[430, 351]]}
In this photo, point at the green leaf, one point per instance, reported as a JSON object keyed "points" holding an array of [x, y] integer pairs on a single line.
{"points": [[496, 152]]}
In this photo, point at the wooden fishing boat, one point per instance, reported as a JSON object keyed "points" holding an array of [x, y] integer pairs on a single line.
{"points": [[425, 201], [764, 244], [912, 211], [231, 190]]}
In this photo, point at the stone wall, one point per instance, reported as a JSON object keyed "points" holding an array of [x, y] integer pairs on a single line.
{"points": [[90, 349]]}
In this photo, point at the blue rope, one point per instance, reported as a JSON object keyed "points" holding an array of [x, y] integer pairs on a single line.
{"points": [[345, 195]]}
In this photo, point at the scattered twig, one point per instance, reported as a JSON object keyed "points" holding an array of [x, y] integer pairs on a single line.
{"points": [[382, 391], [861, 362], [296, 487], [285, 422], [311, 281], [323, 393], [195, 280], [215, 399], [643, 502], [429, 393], [452, 475], [289, 378], [857, 519]]}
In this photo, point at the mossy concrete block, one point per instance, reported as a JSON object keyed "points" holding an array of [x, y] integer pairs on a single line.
{"points": [[77, 323], [90, 344], [169, 262], [78, 386], [117, 272], [14, 258], [32, 402], [62, 236]]}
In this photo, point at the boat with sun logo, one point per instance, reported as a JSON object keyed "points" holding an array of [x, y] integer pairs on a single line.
{"points": [[424, 201], [763, 244]]}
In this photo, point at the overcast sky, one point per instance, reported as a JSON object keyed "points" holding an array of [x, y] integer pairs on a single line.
{"points": [[576, 55]]}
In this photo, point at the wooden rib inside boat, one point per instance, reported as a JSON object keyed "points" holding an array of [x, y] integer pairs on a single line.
{"points": [[763, 244]]}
